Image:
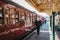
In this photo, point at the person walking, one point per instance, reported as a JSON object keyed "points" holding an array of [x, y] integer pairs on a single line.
{"points": [[38, 24]]}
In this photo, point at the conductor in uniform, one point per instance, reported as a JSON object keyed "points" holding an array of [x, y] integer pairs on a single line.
{"points": [[38, 25]]}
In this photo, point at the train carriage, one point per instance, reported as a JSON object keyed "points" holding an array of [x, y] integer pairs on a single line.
{"points": [[15, 22]]}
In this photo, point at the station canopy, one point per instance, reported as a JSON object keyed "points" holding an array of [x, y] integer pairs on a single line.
{"points": [[47, 6]]}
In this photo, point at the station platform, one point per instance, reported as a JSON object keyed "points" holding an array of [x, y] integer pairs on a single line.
{"points": [[41, 36], [18, 19], [44, 33]]}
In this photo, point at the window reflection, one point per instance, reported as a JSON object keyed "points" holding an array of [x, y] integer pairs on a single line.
{"points": [[1, 16]]}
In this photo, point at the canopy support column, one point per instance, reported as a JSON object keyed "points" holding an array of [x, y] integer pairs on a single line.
{"points": [[53, 25]]}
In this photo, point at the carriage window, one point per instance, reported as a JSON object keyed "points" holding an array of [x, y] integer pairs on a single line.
{"points": [[30, 18], [28, 22], [17, 17], [23, 16], [7, 16], [33, 17], [13, 17], [1, 16]]}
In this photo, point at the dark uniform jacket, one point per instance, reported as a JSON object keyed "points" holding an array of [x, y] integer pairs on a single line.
{"points": [[38, 23]]}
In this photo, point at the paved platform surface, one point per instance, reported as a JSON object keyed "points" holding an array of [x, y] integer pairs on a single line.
{"points": [[45, 27], [41, 36], [44, 33]]}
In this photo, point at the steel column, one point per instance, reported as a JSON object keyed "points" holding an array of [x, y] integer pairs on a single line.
{"points": [[53, 25]]}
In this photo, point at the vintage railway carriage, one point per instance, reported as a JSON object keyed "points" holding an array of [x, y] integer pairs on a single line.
{"points": [[15, 22]]}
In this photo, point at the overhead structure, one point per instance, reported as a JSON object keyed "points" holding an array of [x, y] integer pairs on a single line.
{"points": [[45, 5]]}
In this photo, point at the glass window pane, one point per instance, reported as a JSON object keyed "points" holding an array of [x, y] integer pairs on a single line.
{"points": [[1, 16]]}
